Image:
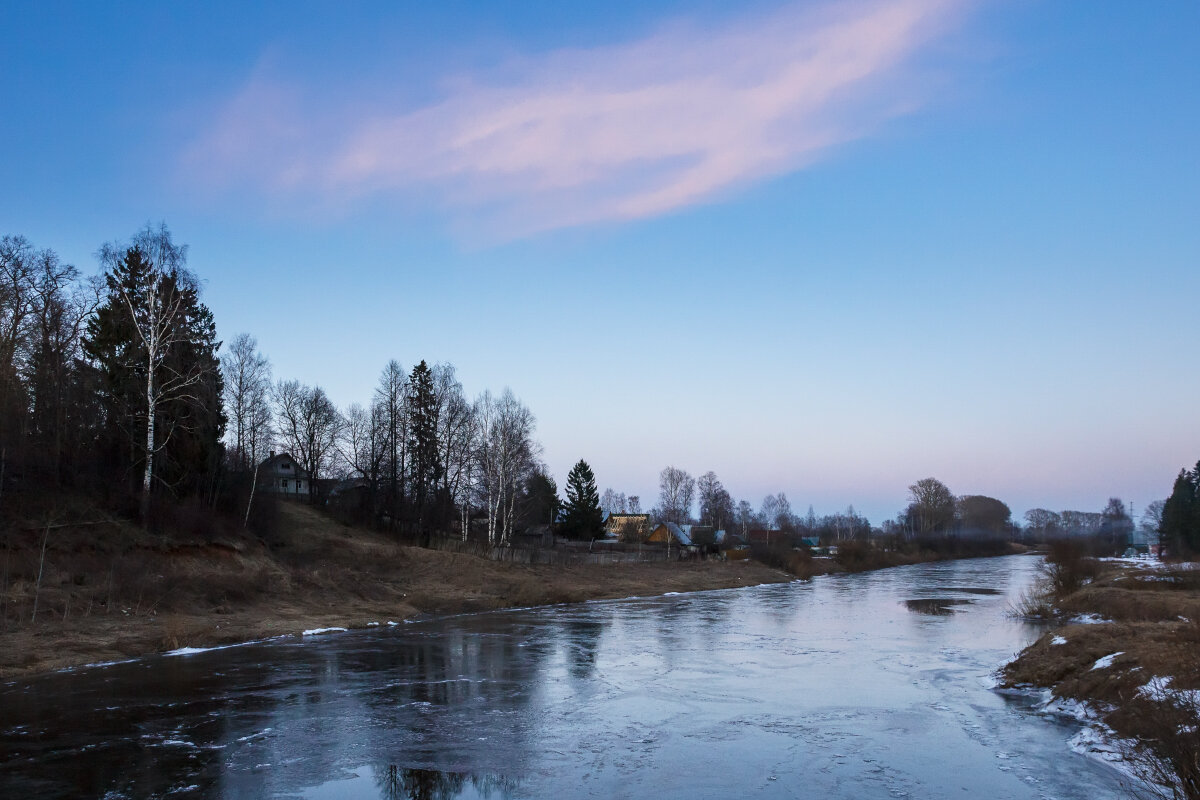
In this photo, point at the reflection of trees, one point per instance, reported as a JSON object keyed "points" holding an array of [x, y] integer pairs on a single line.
{"points": [[396, 783], [583, 642]]}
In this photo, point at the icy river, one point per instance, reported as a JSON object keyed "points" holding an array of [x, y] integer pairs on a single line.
{"points": [[859, 686]]}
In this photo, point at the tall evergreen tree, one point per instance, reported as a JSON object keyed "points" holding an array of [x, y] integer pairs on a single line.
{"points": [[423, 446], [1181, 515], [155, 346], [582, 517]]}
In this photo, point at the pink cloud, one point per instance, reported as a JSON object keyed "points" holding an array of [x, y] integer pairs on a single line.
{"points": [[619, 132]]}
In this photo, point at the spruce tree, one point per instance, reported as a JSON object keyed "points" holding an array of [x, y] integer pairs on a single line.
{"points": [[582, 517], [154, 347], [1180, 526], [423, 446]]}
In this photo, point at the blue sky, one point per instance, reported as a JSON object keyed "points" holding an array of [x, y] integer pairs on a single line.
{"points": [[826, 250]]}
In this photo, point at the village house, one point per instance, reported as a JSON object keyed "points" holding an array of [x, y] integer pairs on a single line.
{"points": [[628, 527], [674, 536], [280, 474]]}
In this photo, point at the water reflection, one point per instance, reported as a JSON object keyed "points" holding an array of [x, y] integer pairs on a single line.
{"points": [[937, 606], [399, 783], [831, 688]]}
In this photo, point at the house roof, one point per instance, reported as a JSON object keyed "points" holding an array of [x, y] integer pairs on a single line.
{"points": [[274, 461], [682, 536]]}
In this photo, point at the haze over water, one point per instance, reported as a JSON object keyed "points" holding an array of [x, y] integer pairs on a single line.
{"points": [[837, 688]]}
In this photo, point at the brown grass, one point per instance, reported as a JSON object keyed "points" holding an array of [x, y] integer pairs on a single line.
{"points": [[1156, 628], [121, 592]]}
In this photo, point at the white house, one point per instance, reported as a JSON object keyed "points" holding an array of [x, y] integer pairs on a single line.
{"points": [[280, 474]]}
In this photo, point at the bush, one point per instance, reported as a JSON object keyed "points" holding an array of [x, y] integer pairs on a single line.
{"points": [[1068, 567], [782, 556]]}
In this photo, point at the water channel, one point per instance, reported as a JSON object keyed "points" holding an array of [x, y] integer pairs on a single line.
{"points": [[857, 686]]}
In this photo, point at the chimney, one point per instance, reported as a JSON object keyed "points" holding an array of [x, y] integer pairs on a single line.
{"points": [[272, 454]]}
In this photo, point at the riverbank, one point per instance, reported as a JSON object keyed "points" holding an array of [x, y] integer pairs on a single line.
{"points": [[1125, 656], [167, 595]]}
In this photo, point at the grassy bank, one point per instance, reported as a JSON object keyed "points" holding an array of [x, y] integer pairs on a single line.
{"points": [[1126, 647], [856, 556], [111, 591]]}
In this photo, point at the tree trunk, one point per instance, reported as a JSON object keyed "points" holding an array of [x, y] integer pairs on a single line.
{"points": [[253, 487], [149, 473]]}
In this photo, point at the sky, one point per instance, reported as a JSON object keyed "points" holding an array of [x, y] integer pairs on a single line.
{"points": [[821, 248]]}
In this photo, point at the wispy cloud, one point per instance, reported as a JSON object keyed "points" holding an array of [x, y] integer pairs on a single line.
{"points": [[619, 132]]}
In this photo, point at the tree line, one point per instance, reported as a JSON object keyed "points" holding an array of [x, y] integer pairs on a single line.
{"points": [[934, 513], [115, 386]]}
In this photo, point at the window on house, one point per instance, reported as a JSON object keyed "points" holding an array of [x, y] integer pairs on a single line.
{"points": [[283, 483], [285, 465]]}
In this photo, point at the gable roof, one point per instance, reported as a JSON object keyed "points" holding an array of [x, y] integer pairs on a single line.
{"points": [[273, 464]]}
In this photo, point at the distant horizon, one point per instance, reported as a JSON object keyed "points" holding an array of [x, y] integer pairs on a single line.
{"points": [[820, 249]]}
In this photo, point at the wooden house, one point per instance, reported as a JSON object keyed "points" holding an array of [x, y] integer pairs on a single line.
{"points": [[280, 474], [628, 527]]}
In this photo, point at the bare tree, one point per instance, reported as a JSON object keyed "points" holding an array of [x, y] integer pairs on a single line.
{"points": [[932, 505], [363, 444], [507, 455], [1152, 516], [392, 398], [16, 302], [745, 515], [59, 310], [771, 510], [247, 389], [635, 504], [676, 489], [309, 426], [455, 438]]}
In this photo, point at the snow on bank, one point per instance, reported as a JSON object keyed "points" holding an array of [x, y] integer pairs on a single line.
{"points": [[319, 631], [1151, 562], [1106, 661], [1057, 640], [1159, 688], [1089, 619]]}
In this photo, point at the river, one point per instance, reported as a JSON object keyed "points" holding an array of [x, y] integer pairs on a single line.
{"points": [[838, 688]]}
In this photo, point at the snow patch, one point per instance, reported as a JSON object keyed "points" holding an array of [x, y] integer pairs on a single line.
{"points": [[1106, 661], [1057, 640], [1089, 619], [1159, 688], [318, 631], [372, 624], [186, 651]]}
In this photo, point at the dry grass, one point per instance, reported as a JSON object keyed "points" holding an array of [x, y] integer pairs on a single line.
{"points": [[1156, 630], [124, 592]]}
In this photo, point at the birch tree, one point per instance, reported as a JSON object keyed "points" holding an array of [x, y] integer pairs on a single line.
{"points": [[153, 329], [506, 454], [247, 397], [676, 489]]}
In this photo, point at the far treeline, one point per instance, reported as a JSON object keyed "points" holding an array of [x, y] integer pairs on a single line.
{"points": [[935, 519], [114, 389]]}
